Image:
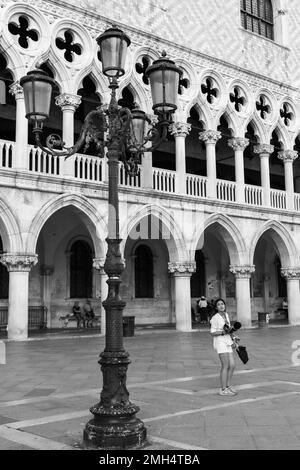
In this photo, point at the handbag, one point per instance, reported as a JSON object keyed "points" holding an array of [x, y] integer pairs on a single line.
{"points": [[242, 353]]}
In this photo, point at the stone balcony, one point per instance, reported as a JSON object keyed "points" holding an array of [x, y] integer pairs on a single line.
{"points": [[89, 169]]}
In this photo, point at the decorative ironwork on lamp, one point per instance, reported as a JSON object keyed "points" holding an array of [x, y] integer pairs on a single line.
{"points": [[126, 135]]}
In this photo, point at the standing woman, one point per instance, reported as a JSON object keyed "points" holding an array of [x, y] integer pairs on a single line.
{"points": [[223, 345]]}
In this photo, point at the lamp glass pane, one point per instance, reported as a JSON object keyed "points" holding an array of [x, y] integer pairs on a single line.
{"points": [[164, 95], [37, 95], [113, 55], [138, 129]]}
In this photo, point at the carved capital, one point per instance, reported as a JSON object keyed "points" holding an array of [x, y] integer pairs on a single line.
{"points": [[98, 263], [290, 273], [46, 270], [264, 149], [287, 155], [210, 137], [185, 268], [15, 262], [181, 129], [67, 101], [16, 90], [238, 143], [242, 272]]}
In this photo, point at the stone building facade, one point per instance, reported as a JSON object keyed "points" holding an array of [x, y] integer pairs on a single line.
{"points": [[215, 212]]}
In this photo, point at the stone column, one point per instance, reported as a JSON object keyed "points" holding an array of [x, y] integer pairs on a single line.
{"points": [[210, 138], [242, 287], [180, 130], [147, 178], [20, 158], [264, 152], [292, 276], [68, 104], [288, 156], [98, 263], [46, 272], [18, 267], [239, 144], [182, 273]]}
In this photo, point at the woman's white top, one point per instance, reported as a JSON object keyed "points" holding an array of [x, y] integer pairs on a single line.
{"points": [[217, 323]]}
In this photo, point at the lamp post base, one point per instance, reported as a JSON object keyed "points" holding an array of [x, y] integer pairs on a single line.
{"points": [[115, 429]]}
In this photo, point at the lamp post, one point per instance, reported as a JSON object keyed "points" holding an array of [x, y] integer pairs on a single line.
{"points": [[114, 425]]}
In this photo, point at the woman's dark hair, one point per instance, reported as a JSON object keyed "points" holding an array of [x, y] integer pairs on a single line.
{"points": [[214, 305]]}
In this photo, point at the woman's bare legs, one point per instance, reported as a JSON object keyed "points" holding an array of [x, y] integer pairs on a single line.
{"points": [[227, 369]]}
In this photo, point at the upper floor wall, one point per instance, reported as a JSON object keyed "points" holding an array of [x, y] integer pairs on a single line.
{"points": [[214, 28]]}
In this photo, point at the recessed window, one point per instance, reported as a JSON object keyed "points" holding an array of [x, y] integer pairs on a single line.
{"points": [[81, 269], [257, 16], [143, 268]]}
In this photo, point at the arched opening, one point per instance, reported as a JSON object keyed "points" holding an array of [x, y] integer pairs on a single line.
{"points": [[81, 270], [276, 165], [268, 287], [224, 153], [195, 148], [143, 272], [252, 167], [7, 104]]}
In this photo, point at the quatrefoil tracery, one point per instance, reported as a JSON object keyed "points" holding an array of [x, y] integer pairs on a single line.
{"points": [[69, 45], [286, 115], [23, 31], [262, 107], [209, 90], [237, 98]]}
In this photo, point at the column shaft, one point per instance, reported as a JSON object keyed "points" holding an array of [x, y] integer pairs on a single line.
{"points": [[18, 305], [183, 302], [21, 150], [293, 296], [243, 301]]}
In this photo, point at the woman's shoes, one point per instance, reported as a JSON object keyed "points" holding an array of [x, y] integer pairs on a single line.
{"points": [[228, 391]]}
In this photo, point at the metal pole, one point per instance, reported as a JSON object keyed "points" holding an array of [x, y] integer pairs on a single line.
{"points": [[114, 425]]}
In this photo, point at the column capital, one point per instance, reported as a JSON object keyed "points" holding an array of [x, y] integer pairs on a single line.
{"points": [[98, 263], [243, 271], [291, 273], [180, 129], [18, 262], [210, 137], [16, 90], [287, 155], [68, 101], [264, 149], [238, 143], [182, 267]]}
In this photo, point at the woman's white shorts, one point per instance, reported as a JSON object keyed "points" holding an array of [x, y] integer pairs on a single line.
{"points": [[224, 348]]}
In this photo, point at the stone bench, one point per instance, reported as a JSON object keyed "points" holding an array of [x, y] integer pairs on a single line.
{"points": [[66, 319]]}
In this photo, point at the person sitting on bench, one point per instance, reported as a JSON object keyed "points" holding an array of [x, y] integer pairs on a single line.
{"points": [[89, 313], [78, 314]]}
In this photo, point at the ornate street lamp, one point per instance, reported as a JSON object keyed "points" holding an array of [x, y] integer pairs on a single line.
{"points": [[128, 134]]}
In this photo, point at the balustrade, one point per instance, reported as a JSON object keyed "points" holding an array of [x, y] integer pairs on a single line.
{"points": [[278, 199], [196, 185], [226, 190], [90, 168], [253, 195], [164, 180]]}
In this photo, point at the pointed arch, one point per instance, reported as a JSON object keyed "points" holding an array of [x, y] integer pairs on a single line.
{"points": [[10, 230], [95, 224], [282, 239], [230, 233], [172, 234]]}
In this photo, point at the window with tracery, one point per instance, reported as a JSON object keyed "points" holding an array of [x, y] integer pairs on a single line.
{"points": [[257, 16]]}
